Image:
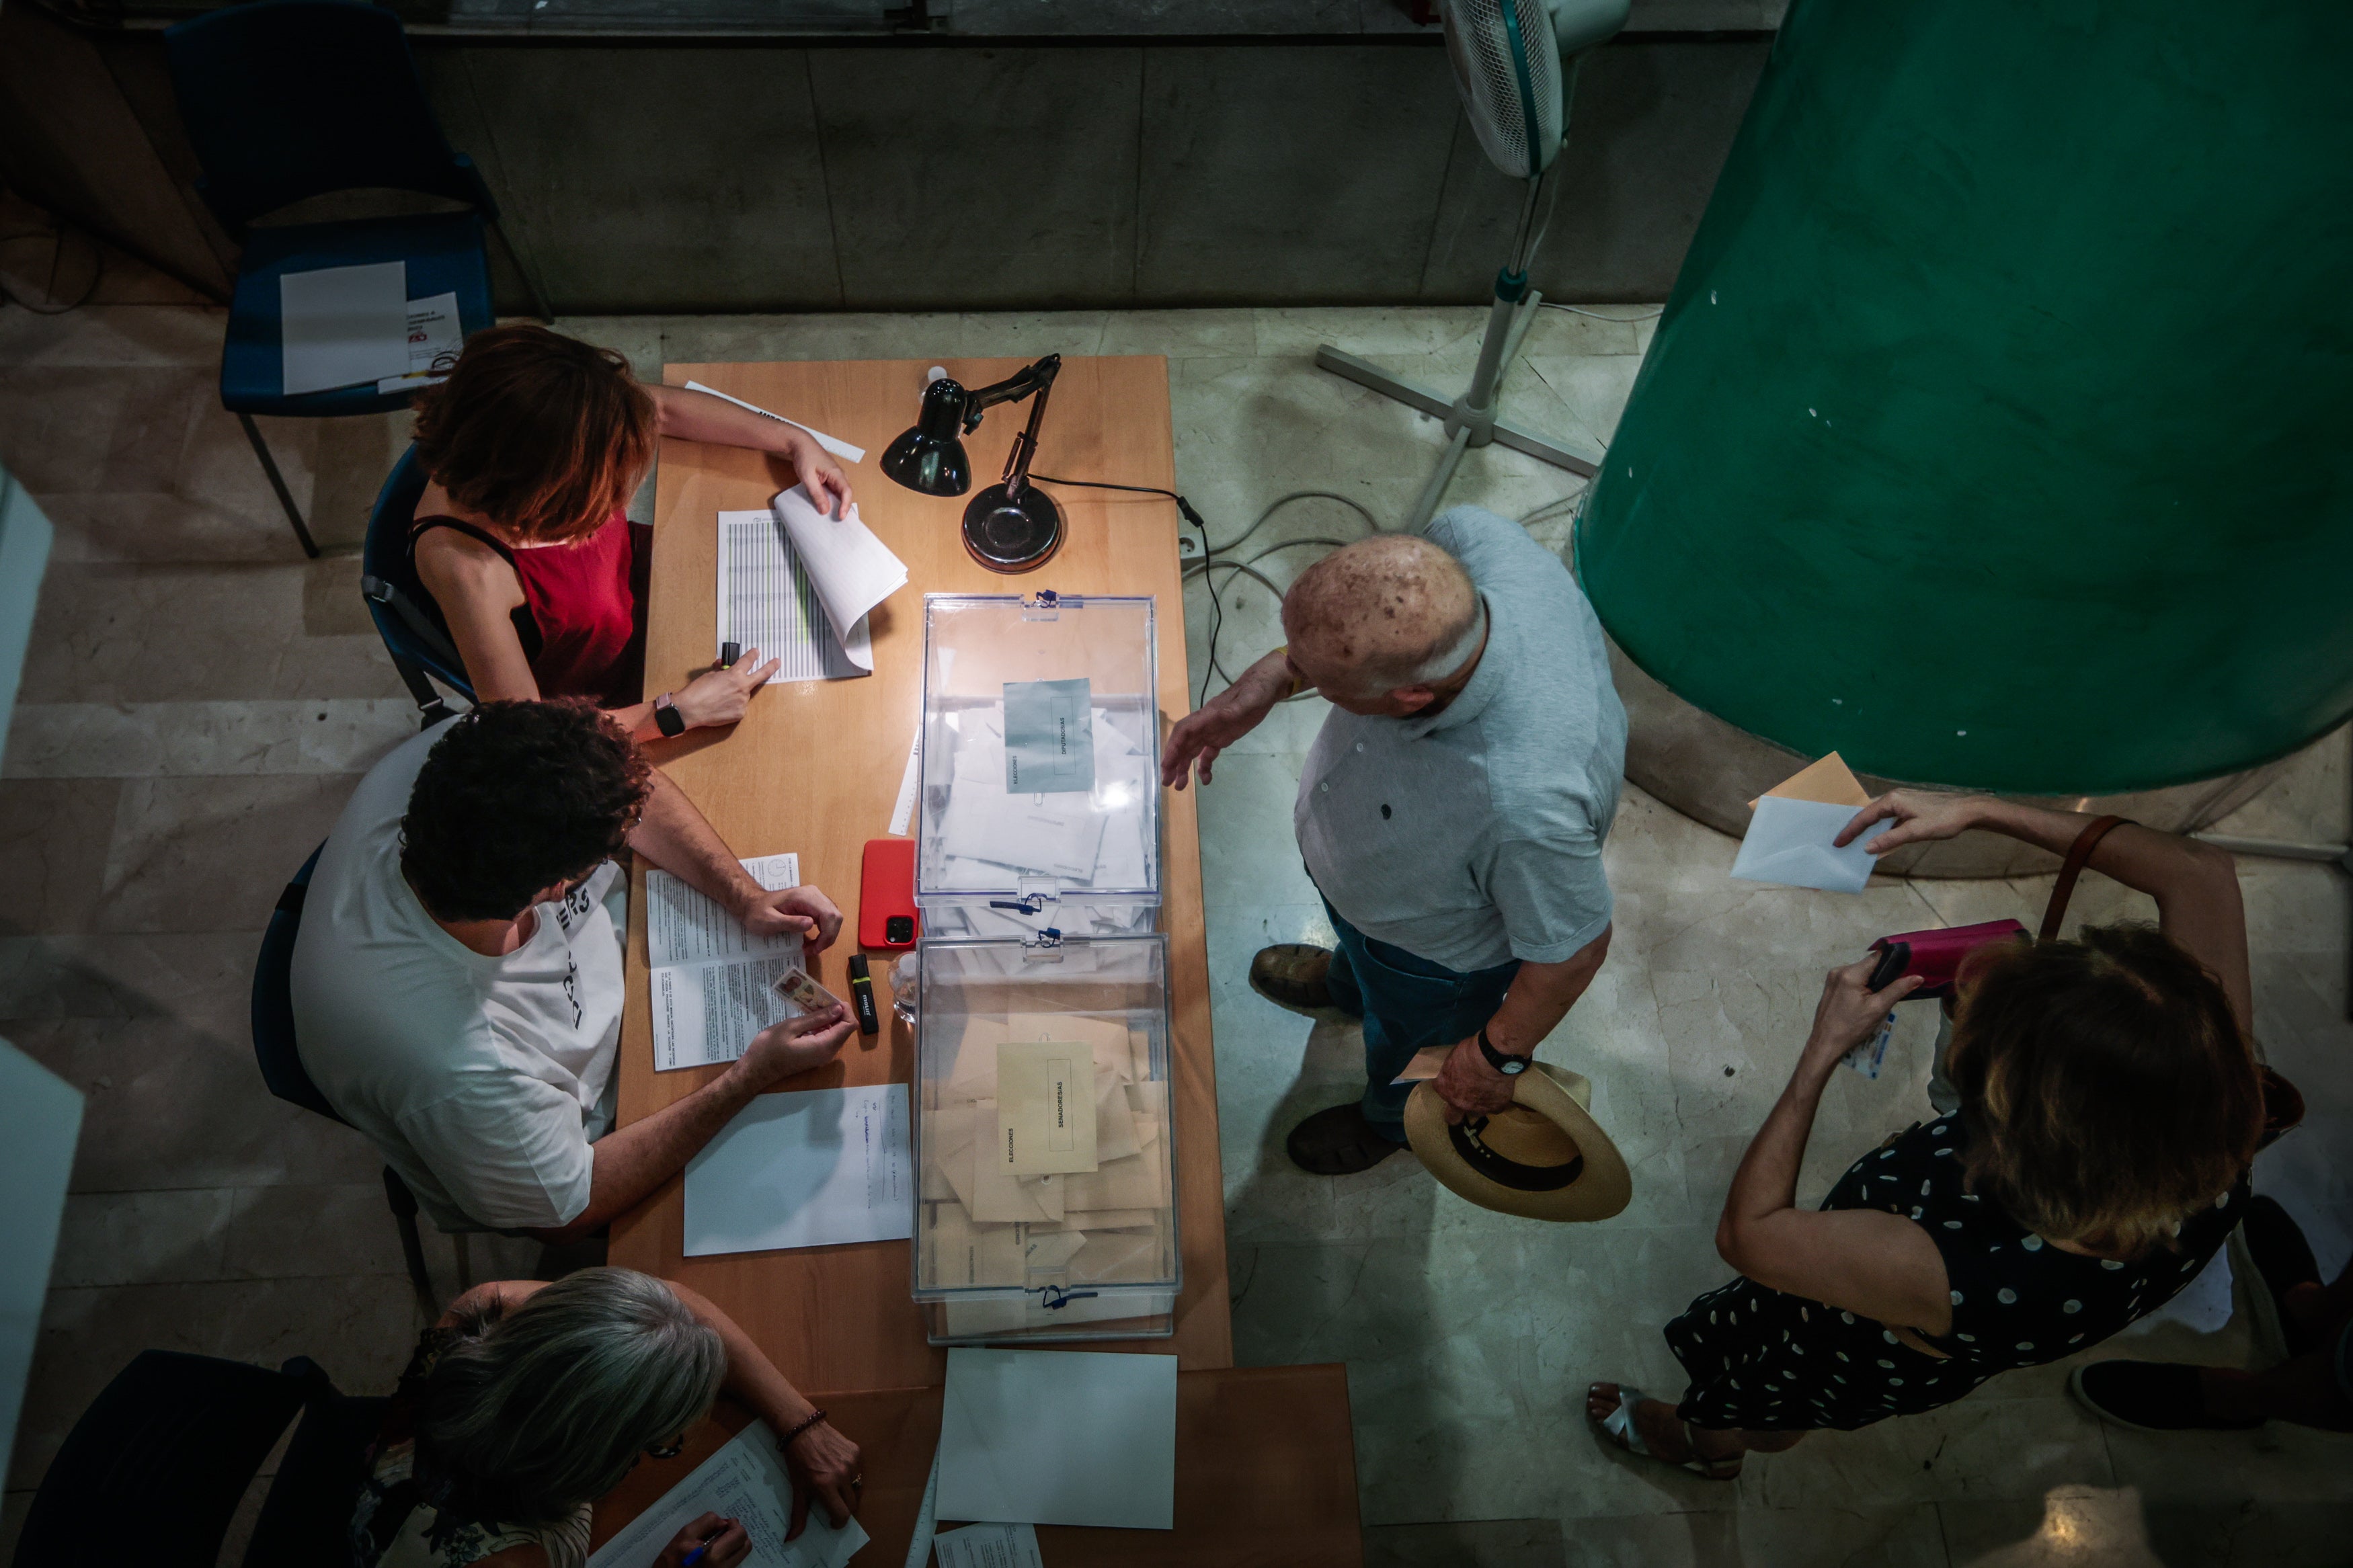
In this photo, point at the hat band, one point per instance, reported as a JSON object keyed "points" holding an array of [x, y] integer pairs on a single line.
{"points": [[1506, 1173]]}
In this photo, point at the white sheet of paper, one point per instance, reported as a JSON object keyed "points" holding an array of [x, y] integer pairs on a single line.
{"points": [[343, 326], [704, 1014], [744, 1480], [768, 601], [850, 568], [1060, 1438], [1789, 842], [988, 1546], [684, 926], [434, 331], [840, 448], [818, 1168]]}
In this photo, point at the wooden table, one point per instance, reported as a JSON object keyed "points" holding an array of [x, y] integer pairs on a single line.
{"points": [[815, 767], [1266, 1475]]}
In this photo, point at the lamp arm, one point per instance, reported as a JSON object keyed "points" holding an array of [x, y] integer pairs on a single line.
{"points": [[1025, 445], [1030, 378]]}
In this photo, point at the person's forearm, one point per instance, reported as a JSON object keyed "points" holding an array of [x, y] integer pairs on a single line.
{"points": [[753, 1379], [2162, 865], [1541, 996], [1767, 1181], [698, 416], [680, 840], [629, 1162]]}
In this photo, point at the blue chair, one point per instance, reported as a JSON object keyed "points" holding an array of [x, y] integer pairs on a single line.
{"points": [[281, 1063], [287, 99], [154, 1471], [406, 616]]}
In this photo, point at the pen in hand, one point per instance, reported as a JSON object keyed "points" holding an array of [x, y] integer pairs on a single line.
{"points": [[695, 1556]]}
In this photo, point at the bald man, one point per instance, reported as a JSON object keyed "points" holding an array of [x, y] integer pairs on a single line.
{"points": [[1451, 812]]}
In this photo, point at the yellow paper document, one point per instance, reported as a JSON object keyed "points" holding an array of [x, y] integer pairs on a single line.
{"points": [[1045, 1107]]}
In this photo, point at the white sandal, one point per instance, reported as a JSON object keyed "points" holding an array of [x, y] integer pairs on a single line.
{"points": [[1619, 1427]]}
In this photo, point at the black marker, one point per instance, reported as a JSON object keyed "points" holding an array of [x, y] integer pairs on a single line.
{"points": [[729, 652], [861, 996]]}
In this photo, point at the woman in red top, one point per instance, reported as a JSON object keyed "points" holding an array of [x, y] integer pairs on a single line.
{"points": [[534, 445]]}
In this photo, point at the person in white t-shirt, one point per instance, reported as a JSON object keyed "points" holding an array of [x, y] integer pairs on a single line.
{"points": [[457, 982]]}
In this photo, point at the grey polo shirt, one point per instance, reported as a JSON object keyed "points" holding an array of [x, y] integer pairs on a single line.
{"points": [[1475, 837]]}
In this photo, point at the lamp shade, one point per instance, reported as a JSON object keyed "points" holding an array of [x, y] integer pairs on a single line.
{"points": [[929, 456]]}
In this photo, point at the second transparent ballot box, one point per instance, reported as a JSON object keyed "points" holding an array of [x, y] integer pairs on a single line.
{"points": [[1040, 799], [1045, 1158]]}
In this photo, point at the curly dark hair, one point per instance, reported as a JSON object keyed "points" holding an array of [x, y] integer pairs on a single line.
{"points": [[514, 798]]}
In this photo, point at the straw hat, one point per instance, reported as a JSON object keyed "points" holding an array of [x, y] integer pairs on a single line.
{"points": [[1543, 1157]]}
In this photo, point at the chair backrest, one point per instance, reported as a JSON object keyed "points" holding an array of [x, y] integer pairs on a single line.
{"points": [[154, 1469], [406, 616], [285, 99], [273, 1000], [306, 1519]]}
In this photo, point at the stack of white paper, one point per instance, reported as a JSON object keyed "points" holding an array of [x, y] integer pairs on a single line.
{"points": [[1093, 838], [343, 326], [821, 1168], [746, 1480], [851, 570], [710, 978], [1060, 1438]]}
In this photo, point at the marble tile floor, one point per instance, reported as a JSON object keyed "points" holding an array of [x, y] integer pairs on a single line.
{"points": [[200, 701]]}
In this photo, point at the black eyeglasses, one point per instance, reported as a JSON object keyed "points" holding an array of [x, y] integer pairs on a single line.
{"points": [[666, 1450]]}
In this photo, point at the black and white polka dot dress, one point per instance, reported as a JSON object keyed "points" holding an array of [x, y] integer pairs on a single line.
{"points": [[1768, 1362]]}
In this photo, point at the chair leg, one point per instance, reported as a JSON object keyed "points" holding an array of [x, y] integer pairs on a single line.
{"points": [[403, 1203], [278, 483], [529, 281], [463, 1246]]}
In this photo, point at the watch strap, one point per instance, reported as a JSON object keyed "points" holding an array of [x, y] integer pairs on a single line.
{"points": [[1502, 1062]]}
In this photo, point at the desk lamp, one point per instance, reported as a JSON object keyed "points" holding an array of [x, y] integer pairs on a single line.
{"points": [[1012, 526]]}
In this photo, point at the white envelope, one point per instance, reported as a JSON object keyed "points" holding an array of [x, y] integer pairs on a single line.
{"points": [[1789, 842]]}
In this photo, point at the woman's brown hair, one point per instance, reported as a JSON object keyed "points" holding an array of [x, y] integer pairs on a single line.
{"points": [[548, 435], [2108, 1090]]}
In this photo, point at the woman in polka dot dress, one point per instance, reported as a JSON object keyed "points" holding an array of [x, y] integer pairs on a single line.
{"points": [[2110, 1106]]}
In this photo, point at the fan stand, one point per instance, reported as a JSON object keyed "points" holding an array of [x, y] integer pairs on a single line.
{"points": [[1470, 420]]}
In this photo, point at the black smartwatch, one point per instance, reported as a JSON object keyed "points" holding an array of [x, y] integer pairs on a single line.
{"points": [[666, 718], [1508, 1065]]}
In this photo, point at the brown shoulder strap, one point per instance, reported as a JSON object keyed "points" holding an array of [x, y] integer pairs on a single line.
{"points": [[2078, 853]]}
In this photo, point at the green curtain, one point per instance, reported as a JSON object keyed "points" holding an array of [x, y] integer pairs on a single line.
{"points": [[2000, 430]]}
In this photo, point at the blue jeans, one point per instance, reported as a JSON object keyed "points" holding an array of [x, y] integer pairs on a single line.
{"points": [[1406, 1003]]}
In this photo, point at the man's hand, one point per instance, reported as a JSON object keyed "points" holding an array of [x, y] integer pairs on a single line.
{"points": [[804, 912], [825, 1467], [818, 473], [1225, 718], [1468, 1085], [795, 1046], [1919, 814], [720, 696], [724, 1543]]}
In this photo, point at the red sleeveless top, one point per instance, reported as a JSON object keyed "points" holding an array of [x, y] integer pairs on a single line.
{"points": [[582, 615]]}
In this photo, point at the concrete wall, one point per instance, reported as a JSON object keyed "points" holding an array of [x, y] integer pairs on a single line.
{"points": [[689, 176]]}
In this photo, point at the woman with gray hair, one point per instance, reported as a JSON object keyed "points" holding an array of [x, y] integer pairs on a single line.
{"points": [[529, 1401]]}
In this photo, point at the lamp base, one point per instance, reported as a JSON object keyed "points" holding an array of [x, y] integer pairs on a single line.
{"points": [[1012, 533]]}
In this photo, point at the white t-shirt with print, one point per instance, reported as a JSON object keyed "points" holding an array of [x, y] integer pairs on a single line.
{"points": [[479, 1078]]}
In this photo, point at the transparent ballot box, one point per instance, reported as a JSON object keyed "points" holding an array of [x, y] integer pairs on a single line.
{"points": [[1046, 1204], [1041, 799]]}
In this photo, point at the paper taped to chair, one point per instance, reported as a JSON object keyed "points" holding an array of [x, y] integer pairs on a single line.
{"points": [[341, 326]]}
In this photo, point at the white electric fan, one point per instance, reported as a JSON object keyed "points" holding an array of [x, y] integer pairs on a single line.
{"points": [[1515, 65]]}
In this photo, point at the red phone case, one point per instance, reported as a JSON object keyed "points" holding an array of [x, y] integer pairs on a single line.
{"points": [[886, 887]]}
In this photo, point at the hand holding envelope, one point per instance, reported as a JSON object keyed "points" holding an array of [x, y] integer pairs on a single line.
{"points": [[1791, 838]]}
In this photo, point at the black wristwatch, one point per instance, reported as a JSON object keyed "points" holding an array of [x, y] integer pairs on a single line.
{"points": [[666, 718], [1502, 1062]]}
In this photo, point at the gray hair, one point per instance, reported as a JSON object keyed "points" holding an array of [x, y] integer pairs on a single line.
{"points": [[537, 1411]]}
